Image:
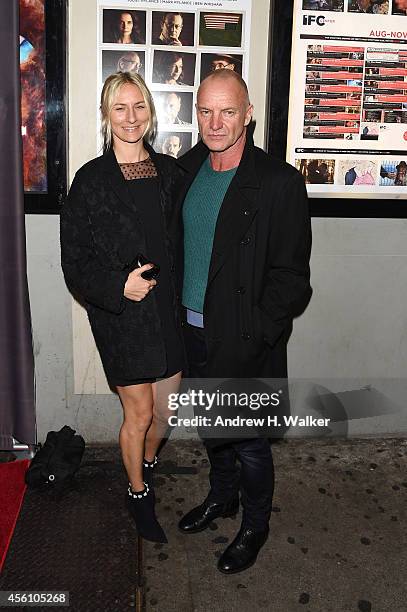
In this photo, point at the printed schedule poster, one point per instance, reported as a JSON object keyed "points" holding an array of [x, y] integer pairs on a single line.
{"points": [[347, 127], [173, 46]]}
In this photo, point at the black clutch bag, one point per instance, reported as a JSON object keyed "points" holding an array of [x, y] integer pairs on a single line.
{"points": [[140, 261]]}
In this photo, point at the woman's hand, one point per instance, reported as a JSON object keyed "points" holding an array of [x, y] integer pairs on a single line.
{"points": [[137, 287]]}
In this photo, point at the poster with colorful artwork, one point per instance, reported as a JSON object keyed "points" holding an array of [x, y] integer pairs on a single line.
{"points": [[174, 48], [33, 95], [347, 127]]}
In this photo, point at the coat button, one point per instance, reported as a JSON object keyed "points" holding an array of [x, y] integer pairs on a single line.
{"points": [[245, 241], [246, 336], [246, 213], [241, 290]]}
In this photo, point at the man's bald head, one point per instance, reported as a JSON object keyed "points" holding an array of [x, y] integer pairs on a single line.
{"points": [[223, 111], [228, 77]]}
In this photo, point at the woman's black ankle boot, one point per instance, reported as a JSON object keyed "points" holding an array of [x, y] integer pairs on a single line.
{"points": [[141, 507], [148, 469]]}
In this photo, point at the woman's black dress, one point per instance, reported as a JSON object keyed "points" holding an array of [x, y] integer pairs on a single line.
{"points": [[142, 181]]}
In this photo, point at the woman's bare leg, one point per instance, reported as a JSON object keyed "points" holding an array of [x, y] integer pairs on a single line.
{"points": [[161, 413], [137, 402]]}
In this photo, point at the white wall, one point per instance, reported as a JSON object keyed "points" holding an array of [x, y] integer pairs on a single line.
{"points": [[355, 326]]}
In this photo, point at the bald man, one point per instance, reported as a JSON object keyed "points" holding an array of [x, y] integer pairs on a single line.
{"points": [[171, 108], [246, 242], [129, 62]]}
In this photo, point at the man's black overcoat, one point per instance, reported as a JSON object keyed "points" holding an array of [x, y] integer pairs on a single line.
{"points": [[101, 235], [259, 277]]}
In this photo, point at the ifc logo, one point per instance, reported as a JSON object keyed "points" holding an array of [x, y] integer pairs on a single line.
{"points": [[310, 19]]}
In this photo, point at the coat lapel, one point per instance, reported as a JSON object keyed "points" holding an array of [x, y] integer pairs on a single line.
{"points": [[116, 179], [164, 180], [238, 210], [237, 213], [239, 206]]}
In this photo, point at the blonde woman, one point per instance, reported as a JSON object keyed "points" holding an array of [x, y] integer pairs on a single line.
{"points": [[116, 216]]}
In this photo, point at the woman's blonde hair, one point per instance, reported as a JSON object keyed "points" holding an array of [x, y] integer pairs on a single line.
{"points": [[110, 90]]}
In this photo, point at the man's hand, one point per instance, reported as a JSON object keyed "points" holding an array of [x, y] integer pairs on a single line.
{"points": [[137, 287]]}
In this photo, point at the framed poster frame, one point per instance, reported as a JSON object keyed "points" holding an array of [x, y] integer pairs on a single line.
{"points": [[50, 202], [280, 37]]}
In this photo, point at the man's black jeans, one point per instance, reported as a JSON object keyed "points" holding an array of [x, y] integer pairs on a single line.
{"points": [[255, 478]]}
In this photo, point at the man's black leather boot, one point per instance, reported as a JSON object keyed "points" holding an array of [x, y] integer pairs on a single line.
{"points": [[199, 518], [243, 551]]}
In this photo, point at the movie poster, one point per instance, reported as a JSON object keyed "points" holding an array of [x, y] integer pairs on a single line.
{"points": [[347, 129], [174, 49], [33, 95]]}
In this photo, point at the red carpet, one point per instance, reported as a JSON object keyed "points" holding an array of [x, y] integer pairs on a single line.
{"points": [[12, 489]]}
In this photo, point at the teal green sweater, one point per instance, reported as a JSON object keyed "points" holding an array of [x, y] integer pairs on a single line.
{"points": [[200, 213]]}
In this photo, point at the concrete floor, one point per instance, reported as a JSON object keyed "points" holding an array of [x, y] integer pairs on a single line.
{"points": [[337, 534]]}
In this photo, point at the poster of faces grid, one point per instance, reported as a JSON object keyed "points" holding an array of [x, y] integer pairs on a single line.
{"points": [[173, 46]]}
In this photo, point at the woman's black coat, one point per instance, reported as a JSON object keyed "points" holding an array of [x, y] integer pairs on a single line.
{"points": [[101, 235], [259, 276]]}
